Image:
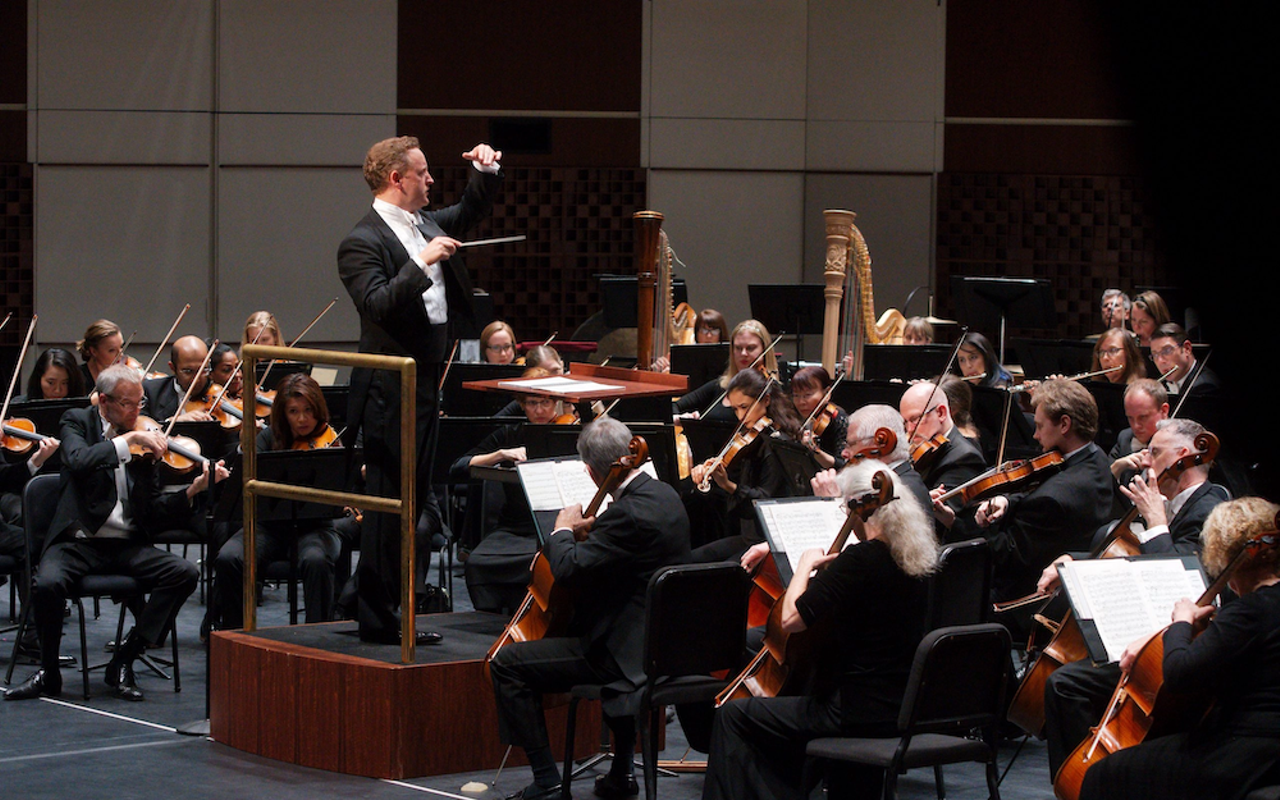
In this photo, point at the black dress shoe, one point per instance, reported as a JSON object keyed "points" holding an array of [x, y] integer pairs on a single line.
{"points": [[608, 787], [120, 677], [48, 684]]}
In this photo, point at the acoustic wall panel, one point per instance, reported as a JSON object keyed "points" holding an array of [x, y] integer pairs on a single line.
{"points": [[122, 137], [733, 144], [331, 140]]}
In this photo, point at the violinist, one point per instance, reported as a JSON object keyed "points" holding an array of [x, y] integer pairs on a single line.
{"points": [[1145, 405], [1028, 529], [960, 398], [748, 341], [545, 359], [94, 530], [299, 418], [164, 395], [498, 343], [1147, 313], [55, 376], [222, 368], [1118, 348], [876, 594], [99, 349], [809, 387], [608, 568], [261, 328], [1232, 654], [497, 571], [1173, 512], [755, 472], [945, 456]]}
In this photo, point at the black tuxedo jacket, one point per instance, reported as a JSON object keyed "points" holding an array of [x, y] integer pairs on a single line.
{"points": [[88, 486], [958, 461], [1184, 529], [914, 484], [1057, 517], [643, 530], [163, 397]]}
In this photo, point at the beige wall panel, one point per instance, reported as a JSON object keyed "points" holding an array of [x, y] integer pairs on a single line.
{"points": [[122, 137], [277, 248], [731, 229], [739, 60], [330, 56], [880, 60], [127, 243], [735, 144], [328, 140], [895, 214], [152, 55], [871, 146]]}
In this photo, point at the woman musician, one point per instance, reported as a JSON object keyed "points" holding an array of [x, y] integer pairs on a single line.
{"points": [[809, 388], [748, 341]]}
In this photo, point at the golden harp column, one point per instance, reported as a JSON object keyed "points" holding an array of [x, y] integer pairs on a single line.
{"points": [[838, 224]]}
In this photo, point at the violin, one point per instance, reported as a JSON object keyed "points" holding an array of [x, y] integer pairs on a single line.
{"points": [[547, 608], [322, 437], [1140, 708], [182, 455], [785, 662], [20, 435], [740, 441], [923, 453], [1008, 475], [227, 412]]}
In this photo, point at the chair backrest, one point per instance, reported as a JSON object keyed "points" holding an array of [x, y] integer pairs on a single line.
{"points": [[957, 680], [696, 619], [960, 591], [39, 502]]}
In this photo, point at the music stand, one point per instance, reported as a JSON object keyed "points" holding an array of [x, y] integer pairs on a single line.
{"points": [[981, 302], [707, 437], [335, 399], [853, 395], [320, 469], [279, 371], [988, 416], [455, 436], [1111, 417], [795, 308], [798, 464], [472, 403], [701, 362], [905, 362], [1041, 358], [620, 299]]}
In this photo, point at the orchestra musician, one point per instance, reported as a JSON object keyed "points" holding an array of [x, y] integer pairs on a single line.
{"points": [[545, 358], [99, 349], [926, 414], [917, 330], [710, 327], [299, 416], [1115, 309], [262, 328], [1147, 313], [1233, 654], [1145, 404], [1171, 350], [164, 395], [977, 356], [1118, 348], [863, 425], [608, 569], [54, 376], [875, 593], [409, 286], [498, 343], [809, 385], [1173, 513], [748, 341], [1028, 529], [222, 368], [960, 398], [95, 530]]}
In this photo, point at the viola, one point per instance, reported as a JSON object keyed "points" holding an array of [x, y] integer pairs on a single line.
{"points": [[823, 419], [923, 453], [227, 412], [323, 436], [785, 662], [740, 441], [20, 435], [182, 455], [883, 442], [547, 608], [1009, 475]]}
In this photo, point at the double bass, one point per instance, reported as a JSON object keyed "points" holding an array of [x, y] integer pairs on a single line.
{"points": [[547, 608]]}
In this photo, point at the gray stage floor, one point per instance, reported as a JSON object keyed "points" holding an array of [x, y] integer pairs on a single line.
{"points": [[108, 748]]}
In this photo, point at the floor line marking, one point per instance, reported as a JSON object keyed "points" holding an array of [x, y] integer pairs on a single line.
{"points": [[426, 789], [88, 751], [100, 712]]}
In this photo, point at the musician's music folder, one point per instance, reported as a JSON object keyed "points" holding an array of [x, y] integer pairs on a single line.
{"points": [[795, 524], [1117, 601]]}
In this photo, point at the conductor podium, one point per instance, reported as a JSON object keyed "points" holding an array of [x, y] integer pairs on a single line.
{"points": [[316, 696]]}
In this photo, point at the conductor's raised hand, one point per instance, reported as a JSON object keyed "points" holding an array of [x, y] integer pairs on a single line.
{"points": [[484, 155]]}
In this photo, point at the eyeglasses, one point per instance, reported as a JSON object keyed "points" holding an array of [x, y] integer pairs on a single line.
{"points": [[189, 371], [1165, 352], [128, 405], [501, 348], [1111, 352], [536, 402]]}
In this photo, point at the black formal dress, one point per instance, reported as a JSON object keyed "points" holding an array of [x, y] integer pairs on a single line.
{"points": [[877, 617], [79, 544], [387, 285], [759, 475], [700, 400], [643, 530], [1076, 695], [318, 546], [1237, 746]]}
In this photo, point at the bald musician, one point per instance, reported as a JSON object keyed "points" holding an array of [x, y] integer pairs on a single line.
{"points": [[926, 413], [164, 395]]}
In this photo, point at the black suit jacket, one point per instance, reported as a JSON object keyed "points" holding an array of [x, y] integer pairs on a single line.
{"points": [[163, 397], [643, 530], [911, 479], [1059, 516], [88, 487], [958, 461], [1184, 529]]}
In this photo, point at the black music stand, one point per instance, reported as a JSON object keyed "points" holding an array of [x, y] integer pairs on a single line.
{"points": [[1111, 417], [985, 303], [279, 371], [318, 469], [707, 437], [798, 464], [1041, 358], [215, 441], [469, 402], [853, 395], [620, 298], [904, 362], [988, 415], [795, 308], [335, 399], [701, 362]]}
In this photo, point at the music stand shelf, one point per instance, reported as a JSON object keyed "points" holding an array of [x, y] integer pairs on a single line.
{"points": [[622, 383]]}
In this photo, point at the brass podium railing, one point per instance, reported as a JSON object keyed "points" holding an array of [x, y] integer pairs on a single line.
{"points": [[403, 506]]}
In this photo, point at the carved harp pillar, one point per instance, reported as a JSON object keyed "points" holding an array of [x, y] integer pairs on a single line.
{"points": [[839, 224], [648, 228]]}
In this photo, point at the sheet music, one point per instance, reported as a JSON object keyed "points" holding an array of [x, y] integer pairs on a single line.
{"points": [[1128, 599], [540, 485], [560, 385], [554, 484], [798, 526]]}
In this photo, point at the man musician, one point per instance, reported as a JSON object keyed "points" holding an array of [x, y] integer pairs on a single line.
{"points": [[608, 569], [164, 395], [926, 413]]}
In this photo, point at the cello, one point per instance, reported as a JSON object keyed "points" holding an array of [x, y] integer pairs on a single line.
{"points": [[1141, 707], [546, 609], [1067, 646], [784, 662]]}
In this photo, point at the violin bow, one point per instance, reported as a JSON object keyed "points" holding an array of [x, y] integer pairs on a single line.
{"points": [[204, 366], [165, 340], [753, 365], [742, 422], [17, 366], [1187, 391], [955, 351], [6, 319], [826, 398], [267, 371], [444, 376]]}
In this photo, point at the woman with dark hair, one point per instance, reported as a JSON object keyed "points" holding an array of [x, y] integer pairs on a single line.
{"points": [[710, 327], [808, 387], [55, 376], [299, 416], [978, 357], [222, 368], [755, 472], [960, 400], [1148, 313], [1118, 348]]}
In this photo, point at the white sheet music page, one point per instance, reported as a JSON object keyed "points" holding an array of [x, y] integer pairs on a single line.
{"points": [[559, 385], [553, 485], [801, 525]]}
